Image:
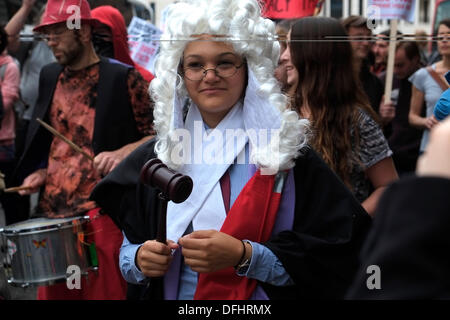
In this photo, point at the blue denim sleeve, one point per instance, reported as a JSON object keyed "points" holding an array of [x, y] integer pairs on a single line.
{"points": [[266, 267], [128, 268]]}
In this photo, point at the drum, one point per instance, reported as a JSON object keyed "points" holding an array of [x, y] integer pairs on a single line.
{"points": [[40, 250]]}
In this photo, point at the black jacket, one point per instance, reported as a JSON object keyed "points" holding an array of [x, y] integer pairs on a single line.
{"points": [[320, 253], [409, 243], [114, 125]]}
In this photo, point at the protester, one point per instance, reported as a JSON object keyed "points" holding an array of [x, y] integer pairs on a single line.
{"points": [[285, 74], [344, 132], [9, 88], [422, 41], [103, 107], [404, 140], [428, 85], [303, 245], [380, 51], [359, 36], [407, 248], [34, 55], [111, 38]]}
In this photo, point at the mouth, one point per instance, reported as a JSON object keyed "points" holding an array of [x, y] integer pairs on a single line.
{"points": [[212, 90]]}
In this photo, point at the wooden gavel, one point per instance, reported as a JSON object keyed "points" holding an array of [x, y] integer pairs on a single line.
{"points": [[174, 187]]}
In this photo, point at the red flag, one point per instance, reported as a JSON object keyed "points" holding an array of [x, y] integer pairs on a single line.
{"points": [[289, 9]]}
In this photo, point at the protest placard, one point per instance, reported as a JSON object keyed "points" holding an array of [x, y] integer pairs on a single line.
{"points": [[393, 10], [289, 9], [143, 42]]}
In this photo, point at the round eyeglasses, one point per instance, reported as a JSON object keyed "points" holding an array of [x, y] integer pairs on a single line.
{"points": [[223, 70]]}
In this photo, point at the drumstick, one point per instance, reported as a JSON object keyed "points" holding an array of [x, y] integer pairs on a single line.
{"points": [[59, 135], [15, 189]]}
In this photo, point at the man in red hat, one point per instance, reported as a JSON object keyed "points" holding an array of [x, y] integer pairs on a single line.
{"points": [[103, 107]]}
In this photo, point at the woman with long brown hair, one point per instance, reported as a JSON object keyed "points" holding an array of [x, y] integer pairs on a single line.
{"points": [[329, 94]]}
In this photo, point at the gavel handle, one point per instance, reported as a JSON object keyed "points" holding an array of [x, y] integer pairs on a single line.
{"points": [[161, 235]]}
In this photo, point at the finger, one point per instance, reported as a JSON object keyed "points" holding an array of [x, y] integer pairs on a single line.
{"points": [[108, 167], [156, 247], [172, 245], [193, 253], [100, 164], [201, 234]]}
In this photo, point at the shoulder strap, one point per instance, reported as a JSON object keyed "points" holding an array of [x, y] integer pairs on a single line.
{"points": [[444, 86]]}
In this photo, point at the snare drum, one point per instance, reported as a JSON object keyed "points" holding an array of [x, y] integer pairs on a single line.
{"points": [[40, 250]]}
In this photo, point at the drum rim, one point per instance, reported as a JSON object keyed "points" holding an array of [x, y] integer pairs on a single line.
{"points": [[54, 226]]}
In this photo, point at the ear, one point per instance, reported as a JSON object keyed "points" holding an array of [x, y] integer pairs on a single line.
{"points": [[85, 33]]}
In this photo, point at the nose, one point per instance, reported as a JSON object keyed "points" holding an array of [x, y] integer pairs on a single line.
{"points": [[210, 76], [285, 56]]}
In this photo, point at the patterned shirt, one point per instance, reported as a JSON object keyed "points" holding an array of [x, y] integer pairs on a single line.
{"points": [[373, 148], [70, 175]]}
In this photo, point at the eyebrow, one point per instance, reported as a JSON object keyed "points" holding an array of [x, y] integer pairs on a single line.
{"points": [[218, 56]]}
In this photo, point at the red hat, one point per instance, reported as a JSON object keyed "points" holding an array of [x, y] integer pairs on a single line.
{"points": [[58, 11]]}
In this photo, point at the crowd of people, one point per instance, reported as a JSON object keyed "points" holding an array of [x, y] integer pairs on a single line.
{"points": [[297, 210]]}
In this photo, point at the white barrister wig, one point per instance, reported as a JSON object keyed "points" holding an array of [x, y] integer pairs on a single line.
{"points": [[252, 36]]}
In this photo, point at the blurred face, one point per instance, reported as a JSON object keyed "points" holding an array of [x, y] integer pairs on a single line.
{"points": [[103, 41], [380, 50], [444, 44], [217, 91], [291, 71], [65, 44], [403, 67], [359, 39]]}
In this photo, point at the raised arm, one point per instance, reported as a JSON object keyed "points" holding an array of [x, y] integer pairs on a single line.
{"points": [[16, 24]]}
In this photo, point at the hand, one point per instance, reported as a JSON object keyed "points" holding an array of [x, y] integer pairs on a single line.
{"points": [[34, 181], [153, 258], [106, 161], [430, 122], [436, 159], [210, 250], [387, 111]]}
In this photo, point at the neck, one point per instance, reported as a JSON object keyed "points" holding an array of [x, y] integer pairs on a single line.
{"points": [[446, 61], [88, 58]]}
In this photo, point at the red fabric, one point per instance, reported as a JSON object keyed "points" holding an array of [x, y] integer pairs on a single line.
{"points": [[112, 17], [105, 284], [57, 11], [252, 217], [289, 9]]}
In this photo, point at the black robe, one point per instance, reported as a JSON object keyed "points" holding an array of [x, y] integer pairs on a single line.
{"points": [[409, 243], [320, 253]]}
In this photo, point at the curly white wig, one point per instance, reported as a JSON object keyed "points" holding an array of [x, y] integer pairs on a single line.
{"points": [[240, 23]]}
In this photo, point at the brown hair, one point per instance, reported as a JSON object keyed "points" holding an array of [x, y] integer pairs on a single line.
{"points": [[354, 21], [329, 87]]}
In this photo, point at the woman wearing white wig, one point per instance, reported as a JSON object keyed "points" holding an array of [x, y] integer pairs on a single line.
{"points": [[266, 218]]}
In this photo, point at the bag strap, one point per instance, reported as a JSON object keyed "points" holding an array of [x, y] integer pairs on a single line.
{"points": [[444, 86]]}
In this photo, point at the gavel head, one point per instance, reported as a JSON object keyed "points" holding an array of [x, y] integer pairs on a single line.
{"points": [[173, 185]]}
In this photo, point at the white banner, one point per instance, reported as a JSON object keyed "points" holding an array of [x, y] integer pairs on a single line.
{"points": [[393, 9], [143, 42]]}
